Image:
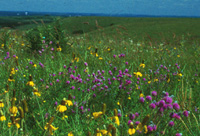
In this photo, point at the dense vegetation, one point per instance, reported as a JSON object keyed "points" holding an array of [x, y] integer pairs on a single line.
{"points": [[100, 76]]}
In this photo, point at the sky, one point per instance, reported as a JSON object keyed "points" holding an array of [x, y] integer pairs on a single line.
{"points": [[135, 7]]}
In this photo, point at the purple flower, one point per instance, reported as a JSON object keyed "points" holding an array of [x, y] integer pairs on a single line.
{"points": [[56, 103], [137, 114], [154, 93], [171, 124], [126, 63], [137, 122], [148, 98], [178, 134], [114, 56], [86, 64], [129, 122], [57, 80], [51, 84], [152, 105], [94, 95], [176, 106], [141, 99], [68, 82], [131, 116], [186, 113], [73, 87], [150, 128], [161, 103]]}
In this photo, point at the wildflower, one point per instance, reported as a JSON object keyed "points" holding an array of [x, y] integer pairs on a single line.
{"points": [[148, 98], [154, 93], [97, 114], [65, 116], [59, 49], [176, 106], [14, 122], [178, 134], [62, 108], [131, 130], [115, 117], [141, 95], [186, 113], [34, 65], [35, 92], [178, 56], [138, 74], [30, 83], [141, 99], [2, 118], [100, 58], [171, 123], [13, 110], [68, 102], [50, 127], [105, 132], [142, 65], [1, 104], [70, 134]]}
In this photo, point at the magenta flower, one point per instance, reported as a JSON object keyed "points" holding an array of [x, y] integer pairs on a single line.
{"points": [[141, 99], [137, 122], [148, 98], [73, 87], [131, 116], [178, 134], [152, 106], [171, 124], [154, 93], [186, 113], [176, 106]]}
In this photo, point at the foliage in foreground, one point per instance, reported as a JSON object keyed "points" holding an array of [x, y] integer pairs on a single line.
{"points": [[106, 86]]}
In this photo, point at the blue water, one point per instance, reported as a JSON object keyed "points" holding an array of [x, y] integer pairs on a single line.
{"points": [[28, 13]]}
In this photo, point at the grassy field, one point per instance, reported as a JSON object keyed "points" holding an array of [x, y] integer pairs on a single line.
{"points": [[93, 76]]}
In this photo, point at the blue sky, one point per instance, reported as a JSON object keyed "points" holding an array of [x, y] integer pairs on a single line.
{"points": [[147, 7]]}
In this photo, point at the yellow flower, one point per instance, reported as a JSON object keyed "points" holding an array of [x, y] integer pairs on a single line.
{"points": [[35, 92], [12, 71], [34, 65], [68, 102], [11, 80], [100, 58], [149, 82], [180, 75], [141, 95], [116, 120], [1, 104], [61, 108], [30, 83], [96, 54], [14, 122], [97, 114], [118, 103], [2, 45], [142, 65], [89, 48], [2, 118], [13, 110], [22, 44], [70, 134], [156, 80], [65, 116], [131, 131], [99, 134], [178, 56], [174, 48], [50, 127], [16, 57], [138, 74], [129, 98], [59, 49], [105, 132]]}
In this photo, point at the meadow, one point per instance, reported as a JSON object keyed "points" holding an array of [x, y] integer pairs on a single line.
{"points": [[95, 76]]}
